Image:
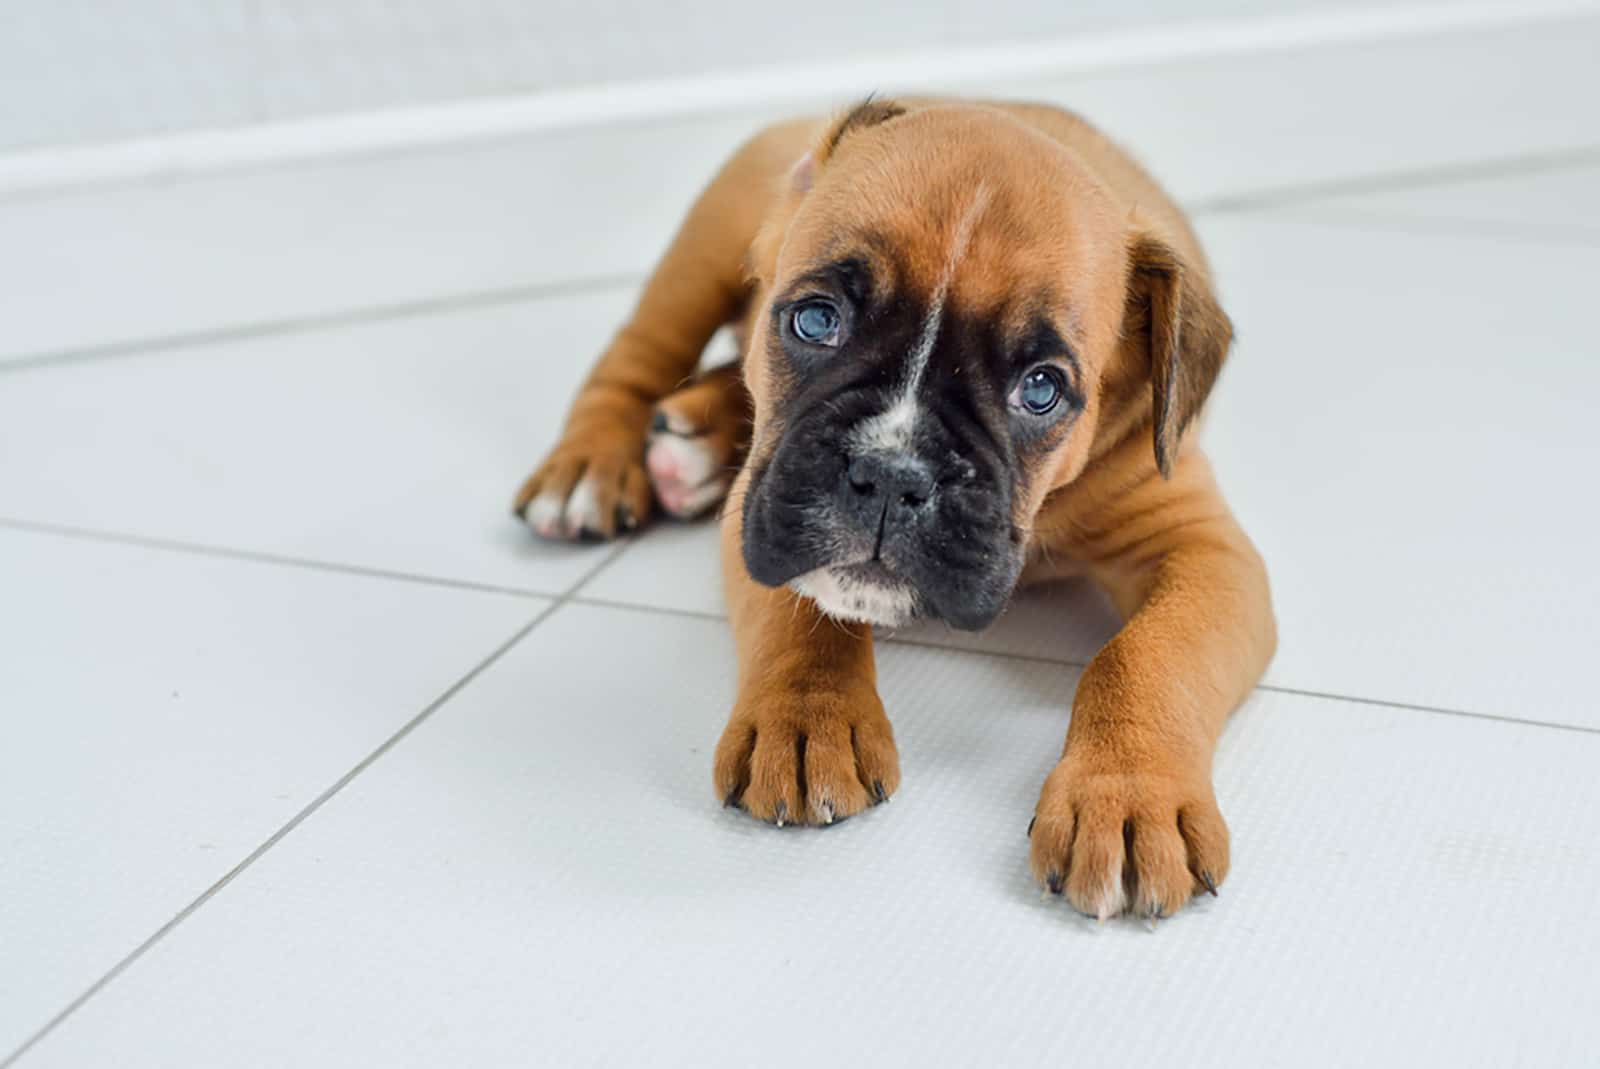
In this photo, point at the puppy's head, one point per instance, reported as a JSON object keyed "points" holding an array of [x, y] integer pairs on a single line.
{"points": [[955, 310]]}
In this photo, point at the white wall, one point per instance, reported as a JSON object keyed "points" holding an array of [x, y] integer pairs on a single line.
{"points": [[83, 71]]}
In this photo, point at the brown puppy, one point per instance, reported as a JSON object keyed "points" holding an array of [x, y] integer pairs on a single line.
{"points": [[976, 334]]}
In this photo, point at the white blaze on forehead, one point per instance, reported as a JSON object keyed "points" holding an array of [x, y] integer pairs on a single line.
{"points": [[891, 429]]}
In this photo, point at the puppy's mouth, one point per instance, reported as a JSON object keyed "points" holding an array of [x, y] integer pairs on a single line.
{"points": [[867, 592], [882, 536], [870, 573]]}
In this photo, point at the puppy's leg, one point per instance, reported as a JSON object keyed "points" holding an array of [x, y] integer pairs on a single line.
{"points": [[808, 741], [1128, 819], [594, 483], [697, 440]]}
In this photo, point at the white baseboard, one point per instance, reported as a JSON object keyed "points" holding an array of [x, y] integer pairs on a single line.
{"points": [[1053, 69]]}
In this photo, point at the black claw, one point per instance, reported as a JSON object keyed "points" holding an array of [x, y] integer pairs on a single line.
{"points": [[1210, 884], [780, 812], [877, 789], [732, 801], [658, 422], [625, 518], [1031, 823], [1055, 881]]}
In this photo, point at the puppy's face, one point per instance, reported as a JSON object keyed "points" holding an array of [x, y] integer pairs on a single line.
{"points": [[943, 291]]}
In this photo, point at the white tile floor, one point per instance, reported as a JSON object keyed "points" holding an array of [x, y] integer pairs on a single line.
{"points": [[308, 756]]}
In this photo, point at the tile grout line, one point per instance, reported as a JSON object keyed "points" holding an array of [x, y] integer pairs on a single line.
{"points": [[361, 315], [1330, 214], [304, 814], [202, 549], [1401, 181], [1062, 662], [1438, 710], [715, 617], [1264, 200], [574, 596]]}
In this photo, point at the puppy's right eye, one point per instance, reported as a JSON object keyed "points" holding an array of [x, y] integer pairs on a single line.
{"points": [[816, 323]]}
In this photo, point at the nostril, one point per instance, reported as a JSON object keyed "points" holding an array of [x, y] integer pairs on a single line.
{"points": [[861, 477], [915, 485], [905, 480]]}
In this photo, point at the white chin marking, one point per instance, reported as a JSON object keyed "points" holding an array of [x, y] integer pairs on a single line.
{"points": [[846, 599]]}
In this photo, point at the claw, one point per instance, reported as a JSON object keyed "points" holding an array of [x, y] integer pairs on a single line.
{"points": [[1031, 823], [1210, 884], [1055, 882], [658, 422], [827, 812], [732, 801], [780, 812], [877, 789]]}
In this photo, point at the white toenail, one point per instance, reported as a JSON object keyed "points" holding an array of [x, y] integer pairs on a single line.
{"points": [[583, 508], [544, 515]]}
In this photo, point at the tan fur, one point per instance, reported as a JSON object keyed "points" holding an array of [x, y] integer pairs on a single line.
{"points": [[1128, 820]]}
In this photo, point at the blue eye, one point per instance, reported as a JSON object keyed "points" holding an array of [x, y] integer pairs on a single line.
{"points": [[1039, 391], [816, 323]]}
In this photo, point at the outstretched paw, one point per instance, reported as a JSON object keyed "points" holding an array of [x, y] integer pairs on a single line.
{"points": [[807, 758], [593, 486], [1116, 840]]}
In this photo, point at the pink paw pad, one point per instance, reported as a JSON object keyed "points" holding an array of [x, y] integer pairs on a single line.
{"points": [[687, 477]]}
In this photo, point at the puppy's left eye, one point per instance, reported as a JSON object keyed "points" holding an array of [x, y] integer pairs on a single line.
{"points": [[816, 323], [1039, 391]]}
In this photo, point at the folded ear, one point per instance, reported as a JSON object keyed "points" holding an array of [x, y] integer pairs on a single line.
{"points": [[803, 172], [870, 112], [1188, 334]]}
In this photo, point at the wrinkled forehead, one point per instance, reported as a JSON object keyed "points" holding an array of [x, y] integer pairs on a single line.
{"points": [[1005, 231]]}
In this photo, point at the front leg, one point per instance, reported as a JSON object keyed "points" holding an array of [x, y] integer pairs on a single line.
{"points": [[594, 483], [1128, 820], [808, 741]]}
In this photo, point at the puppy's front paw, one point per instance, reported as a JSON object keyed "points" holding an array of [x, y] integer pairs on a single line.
{"points": [[811, 758], [690, 466], [1118, 839], [593, 485]]}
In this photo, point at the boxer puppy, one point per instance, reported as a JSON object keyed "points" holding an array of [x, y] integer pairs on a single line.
{"points": [[975, 337]]}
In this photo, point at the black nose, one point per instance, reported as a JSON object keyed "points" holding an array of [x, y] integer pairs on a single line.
{"points": [[896, 480]]}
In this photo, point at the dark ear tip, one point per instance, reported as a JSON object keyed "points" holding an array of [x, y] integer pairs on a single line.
{"points": [[869, 112], [1163, 459]]}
